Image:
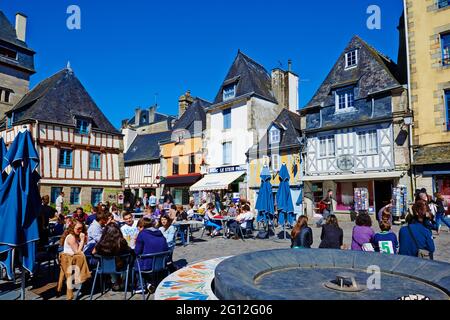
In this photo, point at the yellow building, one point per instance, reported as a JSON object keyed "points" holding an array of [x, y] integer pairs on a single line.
{"points": [[428, 34], [182, 155], [279, 145]]}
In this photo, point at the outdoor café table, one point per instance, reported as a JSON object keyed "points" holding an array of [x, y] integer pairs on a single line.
{"points": [[224, 221], [189, 224]]}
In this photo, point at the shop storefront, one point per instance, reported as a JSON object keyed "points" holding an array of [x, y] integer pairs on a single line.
{"points": [[179, 187], [225, 181], [353, 194]]}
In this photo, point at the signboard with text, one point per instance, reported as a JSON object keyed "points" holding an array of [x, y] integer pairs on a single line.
{"points": [[227, 169]]}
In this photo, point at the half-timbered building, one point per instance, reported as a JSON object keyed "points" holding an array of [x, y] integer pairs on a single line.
{"points": [[355, 132], [81, 153]]}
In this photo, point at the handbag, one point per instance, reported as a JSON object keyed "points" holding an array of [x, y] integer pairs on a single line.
{"points": [[368, 247], [421, 253]]}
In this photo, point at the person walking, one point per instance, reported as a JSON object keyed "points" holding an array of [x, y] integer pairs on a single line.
{"points": [[152, 201], [59, 203], [440, 212], [416, 238]]}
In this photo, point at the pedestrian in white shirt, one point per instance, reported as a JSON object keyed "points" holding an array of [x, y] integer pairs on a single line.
{"points": [[60, 203]]}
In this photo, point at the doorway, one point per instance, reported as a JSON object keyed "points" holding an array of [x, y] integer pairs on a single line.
{"points": [[383, 193]]}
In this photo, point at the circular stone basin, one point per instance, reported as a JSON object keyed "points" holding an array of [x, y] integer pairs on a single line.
{"points": [[312, 274]]}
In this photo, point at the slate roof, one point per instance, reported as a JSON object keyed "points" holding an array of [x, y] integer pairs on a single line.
{"points": [[146, 147], [159, 117], [60, 99], [194, 113], [433, 154], [8, 32], [289, 124], [375, 72], [251, 77]]}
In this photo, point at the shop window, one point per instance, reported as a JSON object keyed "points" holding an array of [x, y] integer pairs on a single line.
{"points": [[345, 193]]}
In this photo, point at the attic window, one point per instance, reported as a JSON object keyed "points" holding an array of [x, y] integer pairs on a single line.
{"points": [[274, 136], [229, 91], [351, 59], [5, 95], [83, 126], [8, 53], [345, 99]]}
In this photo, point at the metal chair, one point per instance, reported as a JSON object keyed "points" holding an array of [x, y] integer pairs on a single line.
{"points": [[7, 259], [159, 265], [49, 255], [107, 266], [180, 233], [247, 230]]}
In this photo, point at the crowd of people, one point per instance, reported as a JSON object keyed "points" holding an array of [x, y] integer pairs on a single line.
{"points": [[108, 231], [415, 238]]}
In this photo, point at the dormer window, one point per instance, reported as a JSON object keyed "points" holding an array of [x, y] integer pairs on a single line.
{"points": [[229, 91], [345, 100], [274, 136], [351, 59], [83, 126], [5, 95]]}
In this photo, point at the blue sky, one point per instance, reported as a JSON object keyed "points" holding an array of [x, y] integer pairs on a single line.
{"points": [[128, 51]]}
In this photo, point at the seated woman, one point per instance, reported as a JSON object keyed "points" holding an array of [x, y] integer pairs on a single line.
{"points": [[180, 213], [302, 236], [232, 211], [210, 222], [168, 230], [74, 238], [241, 220], [332, 235], [113, 244]]}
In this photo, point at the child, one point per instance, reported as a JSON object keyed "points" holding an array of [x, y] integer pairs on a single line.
{"points": [[385, 241]]}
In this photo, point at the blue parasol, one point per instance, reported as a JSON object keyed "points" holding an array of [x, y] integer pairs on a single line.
{"points": [[285, 204], [265, 203], [20, 202]]}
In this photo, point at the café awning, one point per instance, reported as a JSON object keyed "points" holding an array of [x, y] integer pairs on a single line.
{"points": [[176, 181], [217, 181]]}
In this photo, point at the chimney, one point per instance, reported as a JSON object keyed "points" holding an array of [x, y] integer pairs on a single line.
{"points": [[184, 102], [21, 26], [285, 87], [137, 116], [151, 114], [279, 86], [292, 92]]}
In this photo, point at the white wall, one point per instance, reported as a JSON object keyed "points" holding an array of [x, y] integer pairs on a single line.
{"points": [[238, 135]]}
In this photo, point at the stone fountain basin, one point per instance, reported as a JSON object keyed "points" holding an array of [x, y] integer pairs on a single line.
{"points": [[301, 274]]}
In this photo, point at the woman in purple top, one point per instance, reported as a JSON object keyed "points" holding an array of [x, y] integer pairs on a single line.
{"points": [[362, 232]]}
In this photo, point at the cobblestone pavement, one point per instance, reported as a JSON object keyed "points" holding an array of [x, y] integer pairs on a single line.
{"points": [[207, 248]]}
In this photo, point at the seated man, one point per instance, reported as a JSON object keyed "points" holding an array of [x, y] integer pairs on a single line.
{"points": [[242, 220], [95, 230]]}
